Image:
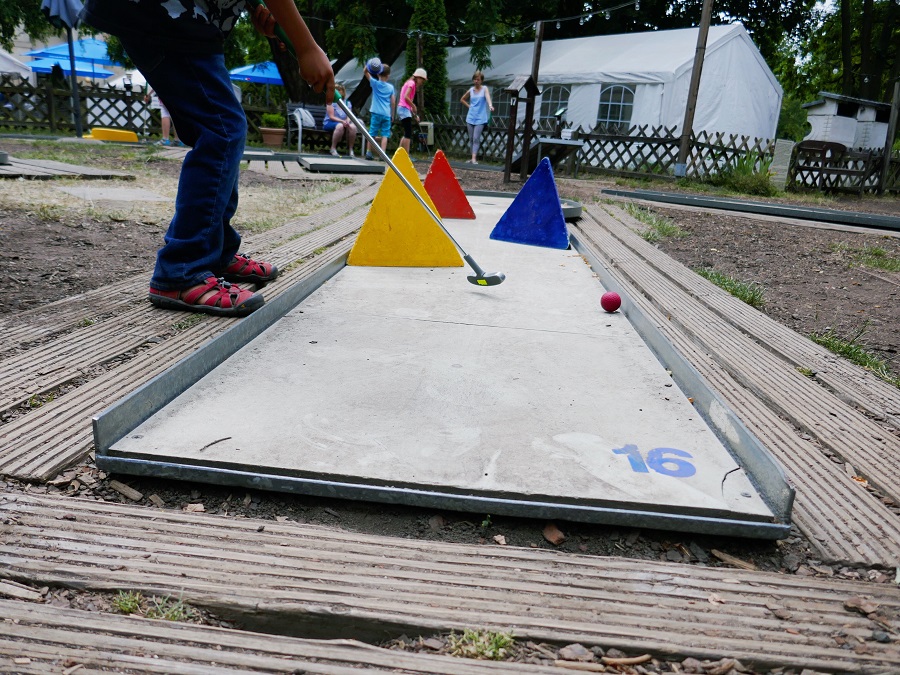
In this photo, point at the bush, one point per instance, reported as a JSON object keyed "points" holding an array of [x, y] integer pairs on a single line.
{"points": [[272, 120], [748, 174]]}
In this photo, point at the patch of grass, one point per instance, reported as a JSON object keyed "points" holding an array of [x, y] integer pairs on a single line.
{"points": [[851, 349], [128, 602], [320, 250], [749, 292], [486, 523], [876, 257], [169, 610], [84, 323], [658, 227], [806, 372], [480, 644], [49, 212]]}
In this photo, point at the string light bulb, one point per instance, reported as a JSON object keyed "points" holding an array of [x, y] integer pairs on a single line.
{"points": [[607, 15], [557, 25], [637, 5]]}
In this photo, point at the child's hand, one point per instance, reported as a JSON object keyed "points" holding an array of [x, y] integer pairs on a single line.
{"points": [[265, 24], [263, 21], [315, 68]]}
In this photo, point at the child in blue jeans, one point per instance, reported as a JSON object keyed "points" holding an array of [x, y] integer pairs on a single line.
{"points": [[178, 46]]}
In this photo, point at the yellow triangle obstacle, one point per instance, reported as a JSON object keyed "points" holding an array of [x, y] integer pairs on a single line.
{"points": [[398, 232]]}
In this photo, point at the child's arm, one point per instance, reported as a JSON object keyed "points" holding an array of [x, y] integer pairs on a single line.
{"points": [[314, 65], [487, 93]]}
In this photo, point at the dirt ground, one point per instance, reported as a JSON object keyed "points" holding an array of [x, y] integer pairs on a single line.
{"points": [[56, 245]]}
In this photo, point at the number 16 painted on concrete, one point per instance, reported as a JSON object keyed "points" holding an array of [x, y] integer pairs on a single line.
{"points": [[660, 460]]}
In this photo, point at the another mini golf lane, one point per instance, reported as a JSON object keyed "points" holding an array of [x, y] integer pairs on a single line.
{"points": [[410, 385]]}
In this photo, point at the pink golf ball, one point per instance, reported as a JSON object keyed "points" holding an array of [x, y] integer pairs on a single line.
{"points": [[610, 301]]}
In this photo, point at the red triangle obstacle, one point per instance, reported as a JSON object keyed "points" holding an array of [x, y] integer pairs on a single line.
{"points": [[445, 191]]}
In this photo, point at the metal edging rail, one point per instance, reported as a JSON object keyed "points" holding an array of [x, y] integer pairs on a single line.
{"points": [[437, 499], [762, 468], [832, 216]]}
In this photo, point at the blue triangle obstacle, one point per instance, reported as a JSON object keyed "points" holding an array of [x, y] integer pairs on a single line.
{"points": [[535, 217]]}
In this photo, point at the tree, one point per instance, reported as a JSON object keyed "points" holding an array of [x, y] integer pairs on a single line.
{"points": [[25, 14], [428, 31], [828, 56]]}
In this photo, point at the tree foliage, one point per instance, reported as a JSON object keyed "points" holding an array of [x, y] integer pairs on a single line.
{"points": [[819, 58], [25, 14], [427, 28]]}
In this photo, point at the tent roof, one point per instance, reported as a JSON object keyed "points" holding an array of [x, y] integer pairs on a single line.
{"points": [[653, 56], [10, 64]]}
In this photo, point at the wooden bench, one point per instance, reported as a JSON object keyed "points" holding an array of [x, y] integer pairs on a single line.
{"points": [[314, 138]]}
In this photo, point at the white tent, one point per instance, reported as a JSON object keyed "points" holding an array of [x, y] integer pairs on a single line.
{"points": [[10, 64], [738, 92]]}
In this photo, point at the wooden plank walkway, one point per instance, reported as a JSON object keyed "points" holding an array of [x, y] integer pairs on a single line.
{"points": [[752, 362], [325, 583], [96, 362], [41, 639], [45, 169]]}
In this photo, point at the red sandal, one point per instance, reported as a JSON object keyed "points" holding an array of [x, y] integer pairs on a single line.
{"points": [[243, 269], [225, 300]]}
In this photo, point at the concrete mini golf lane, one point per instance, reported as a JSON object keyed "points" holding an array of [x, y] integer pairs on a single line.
{"points": [[421, 388]]}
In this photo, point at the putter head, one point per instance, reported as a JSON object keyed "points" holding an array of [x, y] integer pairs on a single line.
{"points": [[491, 279]]}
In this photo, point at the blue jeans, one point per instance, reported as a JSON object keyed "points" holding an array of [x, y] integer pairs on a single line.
{"points": [[200, 241]]}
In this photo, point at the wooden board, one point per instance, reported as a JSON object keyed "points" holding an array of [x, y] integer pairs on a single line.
{"points": [[325, 583], [37, 638]]}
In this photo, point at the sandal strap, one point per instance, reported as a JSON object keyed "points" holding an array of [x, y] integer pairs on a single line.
{"points": [[226, 295], [248, 266]]}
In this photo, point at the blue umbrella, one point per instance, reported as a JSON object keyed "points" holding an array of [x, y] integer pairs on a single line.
{"points": [[261, 73], [64, 14], [82, 68], [88, 49]]}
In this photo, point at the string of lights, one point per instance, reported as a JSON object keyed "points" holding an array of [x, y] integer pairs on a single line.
{"points": [[513, 31]]}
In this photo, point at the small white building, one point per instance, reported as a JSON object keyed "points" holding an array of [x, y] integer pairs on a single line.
{"points": [[629, 79], [853, 122]]}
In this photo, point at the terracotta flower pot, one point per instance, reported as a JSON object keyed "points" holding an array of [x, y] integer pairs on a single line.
{"points": [[274, 138]]}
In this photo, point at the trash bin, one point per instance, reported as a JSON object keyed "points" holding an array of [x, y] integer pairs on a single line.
{"points": [[426, 130]]}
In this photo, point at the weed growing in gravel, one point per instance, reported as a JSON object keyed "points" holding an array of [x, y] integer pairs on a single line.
{"points": [[806, 372], [49, 212], [485, 645], [188, 322], [749, 292], [853, 351], [169, 610], [128, 602], [658, 227]]}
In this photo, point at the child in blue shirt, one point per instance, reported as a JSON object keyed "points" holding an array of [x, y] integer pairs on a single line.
{"points": [[178, 46], [382, 109]]}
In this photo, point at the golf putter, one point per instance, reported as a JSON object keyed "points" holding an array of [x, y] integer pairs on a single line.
{"points": [[480, 278]]}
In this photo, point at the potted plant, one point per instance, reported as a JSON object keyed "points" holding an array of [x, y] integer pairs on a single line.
{"points": [[272, 129]]}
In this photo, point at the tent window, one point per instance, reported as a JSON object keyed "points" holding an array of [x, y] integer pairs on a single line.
{"points": [[552, 99], [500, 99], [456, 108], [616, 105]]}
